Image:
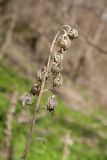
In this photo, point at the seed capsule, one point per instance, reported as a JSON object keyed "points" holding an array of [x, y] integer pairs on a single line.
{"points": [[64, 42], [58, 81], [73, 34], [51, 104], [35, 89], [58, 57], [56, 68], [27, 99], [40, 74]]}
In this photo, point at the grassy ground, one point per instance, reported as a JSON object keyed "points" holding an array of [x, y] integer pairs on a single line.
{"points": [[88, 133]]}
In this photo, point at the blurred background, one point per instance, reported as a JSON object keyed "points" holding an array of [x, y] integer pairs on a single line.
{"points": [[78, 130]]}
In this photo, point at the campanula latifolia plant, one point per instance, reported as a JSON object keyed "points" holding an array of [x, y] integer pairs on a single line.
{"points": [[52, 69]]}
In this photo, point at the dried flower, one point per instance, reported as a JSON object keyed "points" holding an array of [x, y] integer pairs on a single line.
{"points": [[58, 81], [51, 104], [35, 89], [27, 99], [73, 33], [58, 57], [56, 68], [64, 42]]}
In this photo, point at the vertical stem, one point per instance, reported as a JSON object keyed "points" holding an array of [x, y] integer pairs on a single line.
{"points": [[33, 122], [26, 150]]}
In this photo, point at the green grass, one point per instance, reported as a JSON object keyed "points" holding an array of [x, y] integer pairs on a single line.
{"points": [[88, 132]]}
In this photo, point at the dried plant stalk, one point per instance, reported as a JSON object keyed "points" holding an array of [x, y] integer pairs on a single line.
{"points": [[62, 42]]}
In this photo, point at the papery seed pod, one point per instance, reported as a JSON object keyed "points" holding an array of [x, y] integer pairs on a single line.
{"points": [[56, 68], [27, 99], [51, 104], [73, 33], [58, 57], [35, 89], [64, 42], [40, 74], [58, 81]]}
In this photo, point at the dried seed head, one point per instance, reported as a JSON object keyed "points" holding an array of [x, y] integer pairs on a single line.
{"points": [[27, 99], [35, 89], [51, 104], [73, 33], [56, 68], [58, 81], [64, 42], [58, 57]]}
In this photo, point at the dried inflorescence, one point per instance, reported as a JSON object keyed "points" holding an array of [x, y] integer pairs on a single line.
{"points": [[62, 41], [52, 68]]}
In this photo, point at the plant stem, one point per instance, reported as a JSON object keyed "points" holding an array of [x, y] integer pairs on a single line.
{"points": [[29, 140]]}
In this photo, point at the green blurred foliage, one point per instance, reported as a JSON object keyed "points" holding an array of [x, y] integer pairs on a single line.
{"points": [[88, 133]]}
